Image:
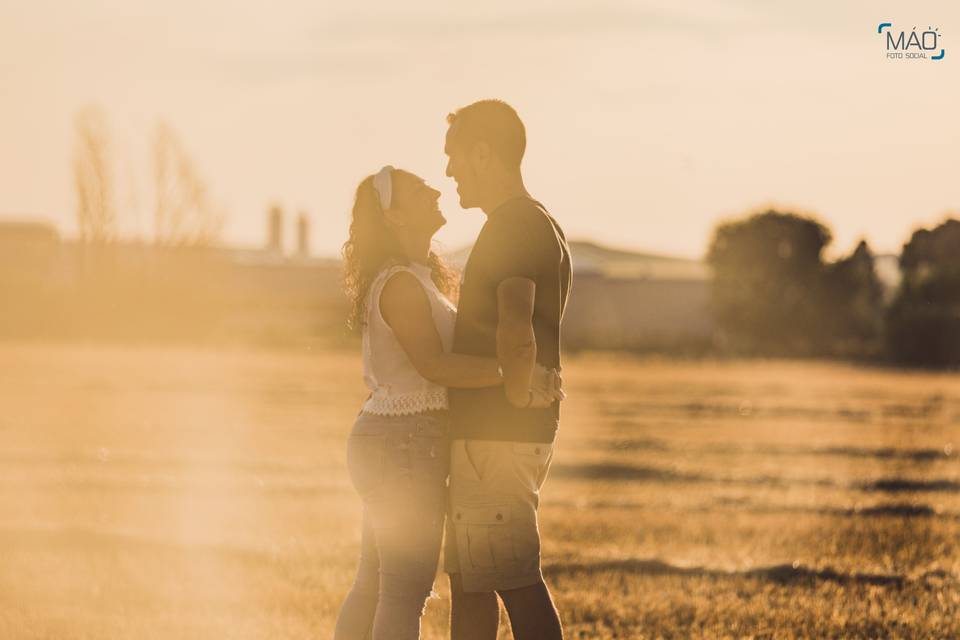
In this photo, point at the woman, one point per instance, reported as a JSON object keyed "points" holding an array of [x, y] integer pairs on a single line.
{"points": [[397, 453]]}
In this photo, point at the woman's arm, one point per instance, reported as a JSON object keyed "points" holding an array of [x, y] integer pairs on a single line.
{"points": [[405, 307]]}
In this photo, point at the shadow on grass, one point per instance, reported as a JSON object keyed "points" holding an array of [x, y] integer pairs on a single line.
{"points": [[900, 485], [625, 412], [890, 510], [600, 471], [780, 574], [638, 473], [876, 453]]}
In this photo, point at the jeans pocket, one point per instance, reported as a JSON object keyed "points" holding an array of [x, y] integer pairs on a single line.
{"points": [[431, 455], [365, 462]]}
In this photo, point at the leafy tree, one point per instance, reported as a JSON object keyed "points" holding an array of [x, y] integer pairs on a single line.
{"points": [[852, 303], [774, 294], [923, 323], [767, 272]]}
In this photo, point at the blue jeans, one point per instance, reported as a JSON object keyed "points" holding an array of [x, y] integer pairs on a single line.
{"points": [[399, 466]]}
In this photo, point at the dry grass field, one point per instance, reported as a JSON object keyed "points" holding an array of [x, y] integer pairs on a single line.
{"points": [[151, 493]]}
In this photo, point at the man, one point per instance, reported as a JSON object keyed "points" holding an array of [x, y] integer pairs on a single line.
{"points": [[512, 299]]}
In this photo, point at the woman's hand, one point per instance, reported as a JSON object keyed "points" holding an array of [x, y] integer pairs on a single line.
{"points": [[546, 388]]}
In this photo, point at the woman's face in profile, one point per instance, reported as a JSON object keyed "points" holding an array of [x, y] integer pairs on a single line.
{"points": [[416, 204]]}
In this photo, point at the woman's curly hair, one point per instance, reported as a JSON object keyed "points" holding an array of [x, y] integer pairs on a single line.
{"points": [[370, 247]]}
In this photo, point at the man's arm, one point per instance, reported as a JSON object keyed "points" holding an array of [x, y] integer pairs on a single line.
{"points": [[516, 342]]}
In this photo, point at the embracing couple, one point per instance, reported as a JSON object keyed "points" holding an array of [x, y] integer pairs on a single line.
{"points": [[464, 402]]}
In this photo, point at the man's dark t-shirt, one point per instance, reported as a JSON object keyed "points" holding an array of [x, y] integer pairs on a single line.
{"points": [[519, 239]]}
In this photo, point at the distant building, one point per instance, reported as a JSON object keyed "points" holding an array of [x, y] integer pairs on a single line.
{"points": [[26, 246], [620, 299], [17, 236], [275, 230], [303, 235]]}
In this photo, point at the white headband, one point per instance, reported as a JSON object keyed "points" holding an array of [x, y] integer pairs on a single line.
{"points": [[383, 184]]}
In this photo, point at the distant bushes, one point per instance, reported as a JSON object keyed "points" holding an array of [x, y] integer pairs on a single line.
{"points": [[774, 294]]}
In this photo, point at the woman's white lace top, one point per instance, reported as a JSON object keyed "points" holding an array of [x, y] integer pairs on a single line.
{"points": [[396, 388]]}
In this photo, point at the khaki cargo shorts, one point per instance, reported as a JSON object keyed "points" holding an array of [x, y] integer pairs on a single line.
{"points": [[492, 537]]}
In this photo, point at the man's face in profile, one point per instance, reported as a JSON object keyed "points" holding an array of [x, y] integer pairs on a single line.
{"points": [[460, 169]]}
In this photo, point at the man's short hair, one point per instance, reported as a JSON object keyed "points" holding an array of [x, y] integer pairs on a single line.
{"points": [[494, 122]]}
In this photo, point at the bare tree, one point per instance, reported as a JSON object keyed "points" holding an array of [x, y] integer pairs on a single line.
{"points": [[184, 215], [94, 177]]}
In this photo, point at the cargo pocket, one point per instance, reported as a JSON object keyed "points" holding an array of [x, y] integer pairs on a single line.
{"points": [[484, 537], [365, 460]]}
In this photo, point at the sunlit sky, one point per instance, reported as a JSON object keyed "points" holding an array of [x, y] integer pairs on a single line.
{"points": [[647, 122]]}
